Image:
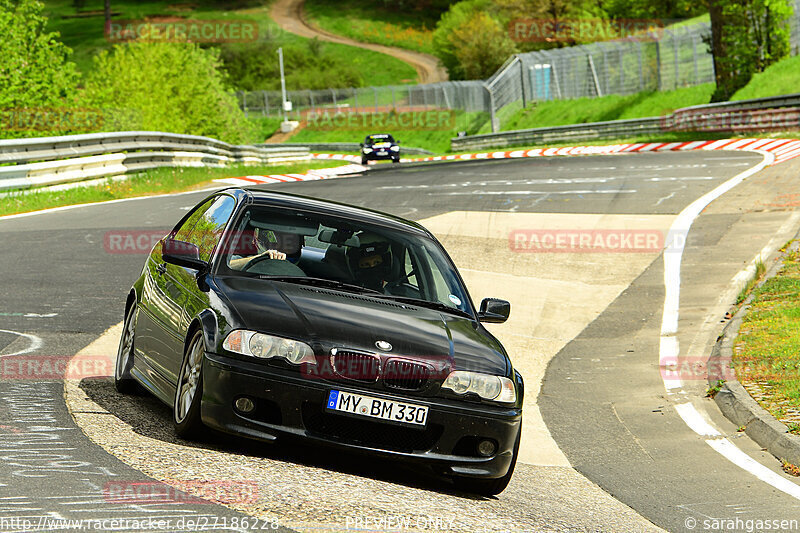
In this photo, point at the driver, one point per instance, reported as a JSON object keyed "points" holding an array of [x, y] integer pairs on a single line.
{"points": [[272, 245], [371, 261]]}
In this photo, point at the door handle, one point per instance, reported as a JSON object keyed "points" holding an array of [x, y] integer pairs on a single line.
{"points": [[162, 268]]}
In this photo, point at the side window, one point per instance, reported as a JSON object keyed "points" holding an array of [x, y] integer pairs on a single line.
{"points": [[185, 230], [209, 227]]}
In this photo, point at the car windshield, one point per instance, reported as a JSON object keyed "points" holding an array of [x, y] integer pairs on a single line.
{"points": [[342, 254], [372, 139]]}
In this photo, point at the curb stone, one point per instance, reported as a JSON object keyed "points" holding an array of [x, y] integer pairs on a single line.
{"points": [[736, 403]]}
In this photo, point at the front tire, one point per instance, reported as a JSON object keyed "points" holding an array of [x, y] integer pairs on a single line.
{"points": [[188, 394], [492, 487], [364, 161], [123, 381]]}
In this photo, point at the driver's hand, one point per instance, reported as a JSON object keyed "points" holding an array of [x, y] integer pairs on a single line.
{"points": [[274, 254]]}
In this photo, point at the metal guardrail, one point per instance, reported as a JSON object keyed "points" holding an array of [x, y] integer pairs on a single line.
{"points": [[575, 132], [26, 163], [775, 113], [346, 147]]}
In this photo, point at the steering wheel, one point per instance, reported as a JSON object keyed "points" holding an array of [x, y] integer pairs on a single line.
{"points": [[398, 281], [273, 267]]}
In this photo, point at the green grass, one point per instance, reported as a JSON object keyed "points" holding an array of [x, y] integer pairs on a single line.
{"points": [[781, 78], [265, 127], [371, 22], [767, 350], [157, 181], [761, 269], [612, 107], [85, 34]]}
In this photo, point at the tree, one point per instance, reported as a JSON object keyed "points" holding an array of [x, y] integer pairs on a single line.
{"points": [[34, 67], [165, 86], [746, 37], [458, 40], [481, 45]]}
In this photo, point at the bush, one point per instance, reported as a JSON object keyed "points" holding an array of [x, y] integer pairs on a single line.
{"points": [[161, 86], [254, 67], [459, 40], [34, 67]]}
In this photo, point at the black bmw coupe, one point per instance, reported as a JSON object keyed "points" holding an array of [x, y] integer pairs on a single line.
{"points": [[271, 316]]}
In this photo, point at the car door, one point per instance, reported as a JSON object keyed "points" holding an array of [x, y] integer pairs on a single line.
{"points": [[182, 282], [162, 301]]}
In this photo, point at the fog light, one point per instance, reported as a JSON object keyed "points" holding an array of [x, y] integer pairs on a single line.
{"points": [[244, 405], [487, 448]]}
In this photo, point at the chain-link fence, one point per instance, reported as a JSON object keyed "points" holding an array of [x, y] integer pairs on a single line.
{"points": [[666, 59], [460, 95]]}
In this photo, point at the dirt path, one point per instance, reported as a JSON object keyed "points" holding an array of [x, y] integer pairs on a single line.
{"points": [[288, 14]]}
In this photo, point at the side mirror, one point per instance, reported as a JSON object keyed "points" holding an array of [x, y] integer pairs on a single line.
{"points": [[183, 254], [494, 310], [397, 141], [361, 145]]}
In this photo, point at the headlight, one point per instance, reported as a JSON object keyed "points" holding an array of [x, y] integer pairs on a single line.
{"points": [[395, 148], [266, 346], [488, 387], [367, 150]]}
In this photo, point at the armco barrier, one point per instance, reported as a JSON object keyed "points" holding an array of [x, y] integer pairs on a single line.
{"points": [[775, 113], [348, 147], [41, 161], [576, 132]]}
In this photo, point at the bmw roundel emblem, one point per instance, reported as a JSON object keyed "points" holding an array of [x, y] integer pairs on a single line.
{"points": [[383, 345]]}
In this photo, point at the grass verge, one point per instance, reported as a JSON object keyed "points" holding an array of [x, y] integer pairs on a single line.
{"points": [[766, 353], [83, 31], [367, 22], [157, 181]]}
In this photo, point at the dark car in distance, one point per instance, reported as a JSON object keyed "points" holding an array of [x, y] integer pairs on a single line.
{"points": [[380, 146], [271, 316]]}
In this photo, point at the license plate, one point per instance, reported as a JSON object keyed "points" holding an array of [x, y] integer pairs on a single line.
{"points": [[370, 407], [382, 152]]}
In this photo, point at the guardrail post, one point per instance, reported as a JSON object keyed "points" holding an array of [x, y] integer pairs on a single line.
{"points": [[266, 104], [522, 81], [491, 109], [658, 64]]}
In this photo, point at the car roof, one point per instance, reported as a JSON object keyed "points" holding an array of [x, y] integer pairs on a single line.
{"points": [[318, 205]]}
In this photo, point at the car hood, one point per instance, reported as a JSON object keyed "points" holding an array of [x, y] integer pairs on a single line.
{"points": [[332, 319]]}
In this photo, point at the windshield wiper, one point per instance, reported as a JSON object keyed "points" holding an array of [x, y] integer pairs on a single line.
{"points": [[321, 282], [423, 303]]}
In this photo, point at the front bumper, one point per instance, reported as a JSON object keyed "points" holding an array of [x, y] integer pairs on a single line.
{"points": [[375, 155], [291, 405]]}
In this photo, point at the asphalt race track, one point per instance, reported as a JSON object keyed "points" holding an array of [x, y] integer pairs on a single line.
{"points": [[606, 450]]}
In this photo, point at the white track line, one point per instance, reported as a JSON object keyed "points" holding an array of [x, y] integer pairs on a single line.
{"points": [[35, 343], [669, 348]]}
